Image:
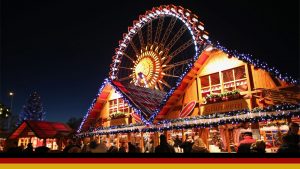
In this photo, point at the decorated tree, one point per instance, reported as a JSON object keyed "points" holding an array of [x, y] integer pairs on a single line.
{"points": [[74, 122], [33, 109], [5, 113]]}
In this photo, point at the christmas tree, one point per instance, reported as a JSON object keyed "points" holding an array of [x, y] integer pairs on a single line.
{"points": [[33, 109]]}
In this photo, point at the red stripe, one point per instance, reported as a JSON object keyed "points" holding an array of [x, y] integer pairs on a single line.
{"points": [[187, 109], [136, 117], [150, 160]]}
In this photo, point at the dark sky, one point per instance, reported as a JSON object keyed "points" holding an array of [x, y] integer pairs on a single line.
{"points": [[63, 49]]}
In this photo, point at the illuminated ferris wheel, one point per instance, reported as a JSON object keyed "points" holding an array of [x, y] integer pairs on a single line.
{"points": [[158, 48]]}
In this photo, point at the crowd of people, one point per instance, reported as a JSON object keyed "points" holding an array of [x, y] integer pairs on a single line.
{"points": [[290, 144]]}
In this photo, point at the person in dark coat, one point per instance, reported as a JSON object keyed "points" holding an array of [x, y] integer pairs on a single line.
{"points": [[177, 141], [290, 140], [258, 147], [187, 145], [14, 148], [123, 148], [113, 148], [42, 149], [29, 148], [164, 147], [131, 148]]}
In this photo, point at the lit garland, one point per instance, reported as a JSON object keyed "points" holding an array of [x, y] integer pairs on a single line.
{"points": [[92, 105], [270, 113], [256, 63]]}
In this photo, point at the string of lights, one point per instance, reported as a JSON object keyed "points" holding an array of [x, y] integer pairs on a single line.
{"points": [[270, 113], [256, 63]]}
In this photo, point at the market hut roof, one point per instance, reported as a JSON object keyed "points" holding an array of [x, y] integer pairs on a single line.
{"points": [[41, 129], [144, 101]]}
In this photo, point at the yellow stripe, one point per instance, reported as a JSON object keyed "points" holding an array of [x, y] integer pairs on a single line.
{"points": [[148, 166]]}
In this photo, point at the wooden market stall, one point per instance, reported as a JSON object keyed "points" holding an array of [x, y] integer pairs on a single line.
{"points": [[41, 133]]}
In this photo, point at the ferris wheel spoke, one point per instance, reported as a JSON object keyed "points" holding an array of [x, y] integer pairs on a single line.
{"points": [[160, 86], [176, 37], [158, 30], [169, 75], [162, 81], [141, 38], [168, 31], [127, 56], [149, 33], [121, 67], [126, 78], [179, 50], [171, 66], [134, 48]]}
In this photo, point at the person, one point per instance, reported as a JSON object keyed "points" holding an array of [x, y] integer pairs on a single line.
{"points": [[149, 148], [293, 132], [29, 148], [137, 148], [75, 148], [187, 144], [98, 148], [42, 149], [164, 147], [290, 140], [131, 148], [245, 144], [85, 148], [199, 146], [113, 148], [22, 147], [177, 141], [258, 147], [71, 143], [14, 148], [123, 147]]}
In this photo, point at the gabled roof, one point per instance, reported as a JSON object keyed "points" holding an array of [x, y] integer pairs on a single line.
{"points": [[143, 101], [42, 129]]}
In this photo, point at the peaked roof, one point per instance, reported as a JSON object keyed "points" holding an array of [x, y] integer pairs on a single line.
{"points": [[143, 101], [42, 129]]}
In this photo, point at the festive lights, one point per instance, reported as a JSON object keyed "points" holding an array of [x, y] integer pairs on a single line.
{"points": [[200, 37], [256, 115], [256, 63], [195, 28], [92, 105]]}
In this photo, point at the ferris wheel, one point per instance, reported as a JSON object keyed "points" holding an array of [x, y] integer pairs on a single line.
{"points": [[158, 48]]}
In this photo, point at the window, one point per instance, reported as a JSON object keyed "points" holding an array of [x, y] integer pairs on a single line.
{"points": [[118, 105], [210, 84], [232, 79]]}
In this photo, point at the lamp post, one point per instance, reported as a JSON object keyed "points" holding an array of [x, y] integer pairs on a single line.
{"points": [[11, 95]]}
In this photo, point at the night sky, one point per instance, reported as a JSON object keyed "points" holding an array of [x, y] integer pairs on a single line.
{"points": [[63, 49]]}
